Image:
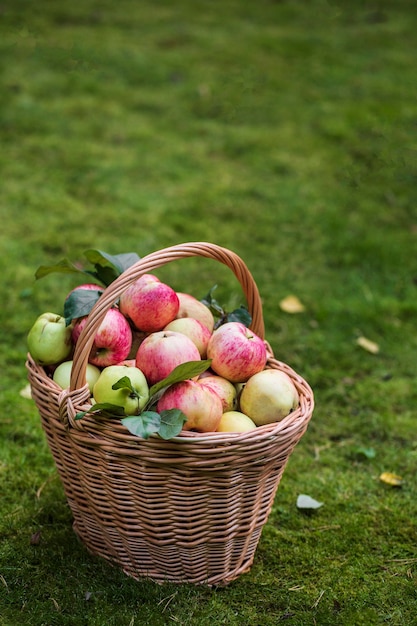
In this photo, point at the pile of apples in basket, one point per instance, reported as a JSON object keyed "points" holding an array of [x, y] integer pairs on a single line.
{"points": [[162, 361]]}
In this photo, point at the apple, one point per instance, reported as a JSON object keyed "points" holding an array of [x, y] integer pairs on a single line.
{"points": [[202, 406], [195, 330], [160, 352], [132, 402], [49, 340], [268, 397], [128, 362], [224, 388], [235, 422], [112, 341], [149, 303], [236, 352], [191, 307], [62, 375]]}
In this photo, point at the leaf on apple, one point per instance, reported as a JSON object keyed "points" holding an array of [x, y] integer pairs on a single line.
{"points": [[240, 314], [62, 267], [143, 425], [182, 372], [124, 383], [212, 303], [79, 303], [172, 421], [106, 409], [107, 267]]}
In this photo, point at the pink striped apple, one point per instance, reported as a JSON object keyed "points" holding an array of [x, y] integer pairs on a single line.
{"points": [[195, 330], [226, 390], [112, 341], [149, 303], [191, 307], [201, 406], [236, 352], [161, 352]]}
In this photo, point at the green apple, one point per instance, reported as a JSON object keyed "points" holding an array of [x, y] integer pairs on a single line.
{"points": [[62, 375], [268, 396], [132, 401], [235, 422], [49, 340]]}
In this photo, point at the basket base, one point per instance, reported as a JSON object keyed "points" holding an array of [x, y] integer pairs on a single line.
{"points": [[205, 564]]}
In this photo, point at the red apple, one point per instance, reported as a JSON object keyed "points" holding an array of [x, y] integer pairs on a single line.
{"points": [[226, 390], [162, 351], [149, 303], [236, 352], [201, 405], [191, 307], [112, 341], [195, 330]]}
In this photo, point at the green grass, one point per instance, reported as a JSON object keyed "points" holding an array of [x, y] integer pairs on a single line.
{"points": [[285, 131]]}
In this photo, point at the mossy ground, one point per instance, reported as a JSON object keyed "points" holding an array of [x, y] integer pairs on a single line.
{"points": [[285, 131]]}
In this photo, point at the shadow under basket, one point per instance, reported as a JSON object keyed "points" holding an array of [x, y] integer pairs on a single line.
{"points": [[187, 510]]}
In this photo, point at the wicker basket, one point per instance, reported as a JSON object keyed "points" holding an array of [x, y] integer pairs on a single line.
{"points": [[190, 509]]}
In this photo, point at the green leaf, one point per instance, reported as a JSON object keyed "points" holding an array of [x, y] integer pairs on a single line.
{"points": [[143, 425], [172, 421], [241, 315], [79, 303], [124, 383], [212, 303], [367, 453], [180, 373], [109, 267], [106, 409], [62, 267]]}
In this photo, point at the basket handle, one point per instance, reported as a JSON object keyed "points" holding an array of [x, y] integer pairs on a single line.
{"points": [[146, 265]]}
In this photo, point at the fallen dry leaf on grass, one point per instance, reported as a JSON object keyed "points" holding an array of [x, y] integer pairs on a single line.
{"points": [[291, 304], [26, 392], [391, 479], [307, 503], [368, 345]]}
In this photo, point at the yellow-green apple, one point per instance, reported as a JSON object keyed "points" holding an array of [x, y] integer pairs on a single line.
{"points": [[236, 352], [235, 422], [49, 340], [62, 375], [195, 330], [132, 401], [268, 397], [201, 406], [149, 303], [224, 388], [112, 340], [161, 352], [191, 307]]}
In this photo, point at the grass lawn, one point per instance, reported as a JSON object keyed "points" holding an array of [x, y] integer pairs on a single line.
{"points": [[285, 131]]}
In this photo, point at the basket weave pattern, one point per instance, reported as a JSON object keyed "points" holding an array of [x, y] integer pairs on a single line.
{"points": [[190, 509]]}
